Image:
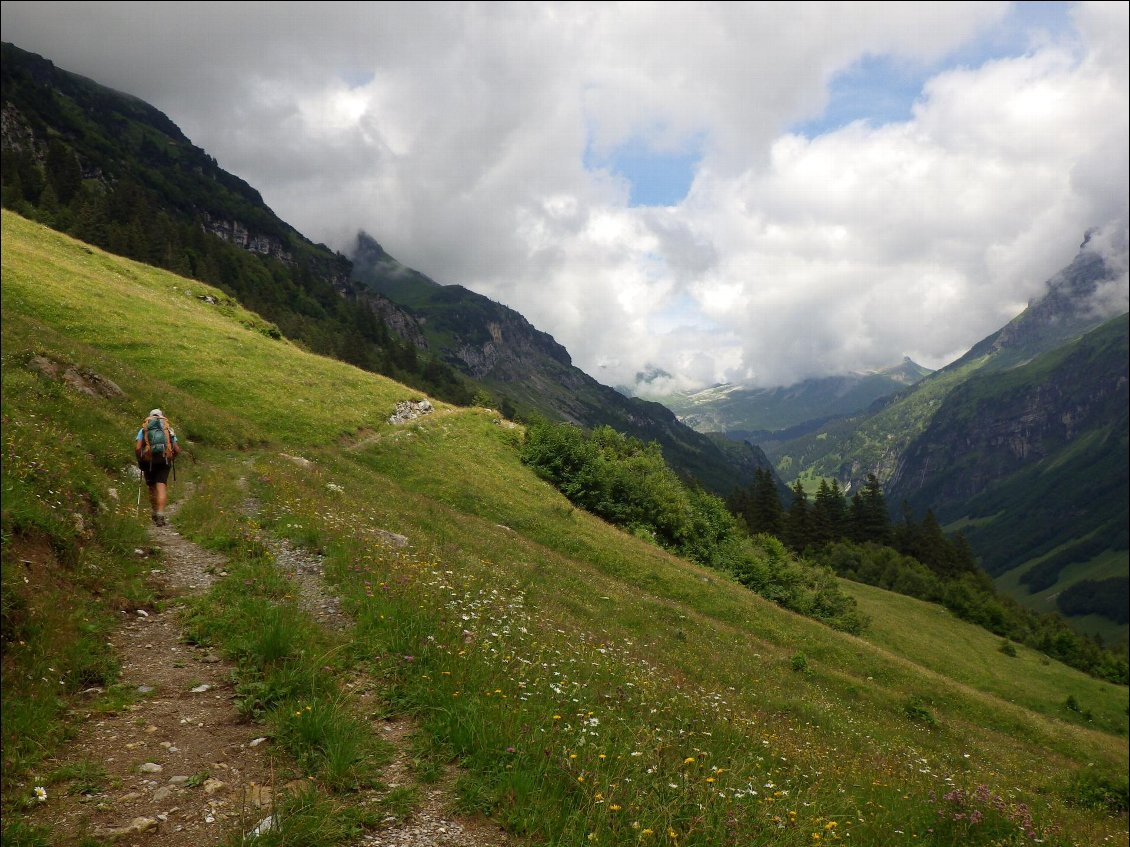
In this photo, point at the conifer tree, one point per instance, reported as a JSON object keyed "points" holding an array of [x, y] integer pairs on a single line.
{"points": [[759, 504], [63, 171], [821, 526], [855, 519], [767, 503], [829, 512], [798, 520], [870, 518]]}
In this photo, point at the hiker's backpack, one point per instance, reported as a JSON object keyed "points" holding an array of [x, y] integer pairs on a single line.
{"points": [[157, 440]]}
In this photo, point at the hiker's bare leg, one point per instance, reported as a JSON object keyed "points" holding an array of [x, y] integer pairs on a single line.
{"points": [[158, 497]]}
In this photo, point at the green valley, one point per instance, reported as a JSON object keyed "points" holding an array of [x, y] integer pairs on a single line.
{"points": [[591, 687]]}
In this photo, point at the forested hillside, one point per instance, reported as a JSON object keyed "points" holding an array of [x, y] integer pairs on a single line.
{"points": [[1021, 445], [116, 172]]}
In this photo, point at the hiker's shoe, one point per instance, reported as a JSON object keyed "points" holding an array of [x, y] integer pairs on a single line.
{"points": [[158, 518]]}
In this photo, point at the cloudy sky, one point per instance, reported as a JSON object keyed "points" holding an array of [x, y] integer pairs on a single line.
{"points": [[755, 192]]}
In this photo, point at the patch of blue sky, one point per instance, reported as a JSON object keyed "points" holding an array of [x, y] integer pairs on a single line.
{"points": [[655, 177], [681, 315], [882, 89], [356, 77]]}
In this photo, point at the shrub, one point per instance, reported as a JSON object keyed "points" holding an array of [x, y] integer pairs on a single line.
{"points": [[629, 484], [918, 711]]}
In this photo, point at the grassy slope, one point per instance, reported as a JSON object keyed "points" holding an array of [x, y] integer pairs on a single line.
{"points": [[571, 619], [1110, 563]]}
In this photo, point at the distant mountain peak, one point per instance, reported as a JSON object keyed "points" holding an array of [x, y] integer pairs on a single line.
{"points": [[369, 245], [907, 371], [386, 275], [650, 374], [1090, 290]]}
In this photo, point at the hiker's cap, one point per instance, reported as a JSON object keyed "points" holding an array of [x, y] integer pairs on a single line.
{"points": [[156, 413]]}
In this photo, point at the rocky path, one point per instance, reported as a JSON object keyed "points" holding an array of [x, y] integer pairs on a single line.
{"points": [[178, 766], [431, 823]]}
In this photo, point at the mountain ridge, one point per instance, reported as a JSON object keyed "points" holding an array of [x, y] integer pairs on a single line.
{"points": [[729, 407], [118, 173], [940, 445], [532, 374]]}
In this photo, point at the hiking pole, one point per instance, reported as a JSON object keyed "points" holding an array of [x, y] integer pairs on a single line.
{"points": [[137, 512]]}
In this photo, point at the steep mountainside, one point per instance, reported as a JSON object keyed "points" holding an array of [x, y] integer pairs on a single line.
{"points": [[875, 441], [456, 589], [1065, 312], [116, 172], [1033, 462], [1021, 443], [996, 423], [530, 373]]}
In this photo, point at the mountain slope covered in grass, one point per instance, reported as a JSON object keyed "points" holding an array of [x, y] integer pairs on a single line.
{"points": [[592, 687], [115, 171]]}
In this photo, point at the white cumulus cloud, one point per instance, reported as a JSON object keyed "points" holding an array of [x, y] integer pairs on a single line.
{"points": [[466, 138]]}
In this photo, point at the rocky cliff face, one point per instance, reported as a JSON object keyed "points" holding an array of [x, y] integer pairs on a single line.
{"points": [[237, 233], [16, 133], [399, 321], [511, 344], [995, 424]]}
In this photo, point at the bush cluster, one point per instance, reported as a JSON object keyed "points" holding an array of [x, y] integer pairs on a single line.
{"points": [[628, 483]]}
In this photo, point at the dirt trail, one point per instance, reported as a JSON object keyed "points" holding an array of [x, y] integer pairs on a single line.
{"points": [[179, 767]]}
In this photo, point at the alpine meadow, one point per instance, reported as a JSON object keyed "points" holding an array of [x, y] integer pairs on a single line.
{"points": [[588, 685]]}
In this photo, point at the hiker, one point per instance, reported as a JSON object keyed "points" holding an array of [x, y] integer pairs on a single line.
{"points": [[156, 447]]}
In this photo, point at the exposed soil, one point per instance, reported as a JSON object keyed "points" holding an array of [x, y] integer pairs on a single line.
{"points": [[179, 766]]}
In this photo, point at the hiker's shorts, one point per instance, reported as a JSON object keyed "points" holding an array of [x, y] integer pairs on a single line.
{"points": [[155, 471]]}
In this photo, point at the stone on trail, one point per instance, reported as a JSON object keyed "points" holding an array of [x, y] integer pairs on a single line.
{"points": [[134, 827]]}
